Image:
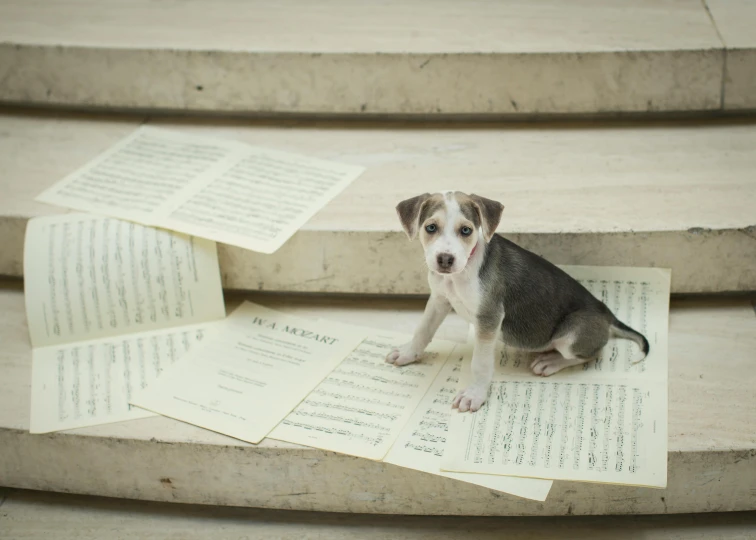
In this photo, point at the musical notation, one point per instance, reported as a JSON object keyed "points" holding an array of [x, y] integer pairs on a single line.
{"points": [[363, 396], [259, 196], [101, 277], [598, 429], [369, 440], [320, 391], [110, 304], [143, 173], [425, 438], [257, 359], [604, 421], [218, 189], [92, 383]]}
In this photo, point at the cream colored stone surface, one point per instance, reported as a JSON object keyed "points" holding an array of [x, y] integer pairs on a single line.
{"points": [[402, 57], [29, 514], [670, 195], [712, 444], [340, 26], [356, 84], [735, 20], [740, 84]]}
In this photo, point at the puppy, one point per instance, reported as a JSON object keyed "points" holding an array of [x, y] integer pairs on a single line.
{"points": [[503, 290]]}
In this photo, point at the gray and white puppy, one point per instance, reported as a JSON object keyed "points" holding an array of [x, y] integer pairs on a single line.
{"points": [[506, 292]]}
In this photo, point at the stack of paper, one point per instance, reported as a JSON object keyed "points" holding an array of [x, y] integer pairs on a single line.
{"points": [[127, 320], [245, 381]]}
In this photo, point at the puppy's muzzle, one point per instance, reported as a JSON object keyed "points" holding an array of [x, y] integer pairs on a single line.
{"points": [[445, 262]]}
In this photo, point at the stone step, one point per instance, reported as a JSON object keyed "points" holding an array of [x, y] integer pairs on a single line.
{"points": [[712, 444], [405, 57], [34, 514], [675, 195]]}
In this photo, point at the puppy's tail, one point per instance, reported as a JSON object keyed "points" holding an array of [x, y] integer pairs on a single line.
{"points": [[621, 330]]}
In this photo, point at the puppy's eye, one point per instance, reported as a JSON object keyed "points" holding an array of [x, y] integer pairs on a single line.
{"points": [[431, 228], [466, 231]]}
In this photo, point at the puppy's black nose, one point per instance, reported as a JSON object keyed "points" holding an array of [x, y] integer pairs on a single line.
{"points": [[445, 260]]}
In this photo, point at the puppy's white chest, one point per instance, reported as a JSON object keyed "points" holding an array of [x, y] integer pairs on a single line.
{"points": [[463, 297]]}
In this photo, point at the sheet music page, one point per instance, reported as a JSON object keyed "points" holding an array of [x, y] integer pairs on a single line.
{"points": [[88, 277], [605, 424], [91, 382], [143, 174], [422, 443], [262, 200], [639, 297], [216, 189], [593, 432], [362, 406], [251, 373]]}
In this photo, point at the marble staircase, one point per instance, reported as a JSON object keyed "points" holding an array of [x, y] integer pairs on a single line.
{"points": [[615, 133]]}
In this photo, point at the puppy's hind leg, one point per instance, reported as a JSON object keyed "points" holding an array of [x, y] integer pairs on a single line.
{"points": [[553, 361], [580, 340]]}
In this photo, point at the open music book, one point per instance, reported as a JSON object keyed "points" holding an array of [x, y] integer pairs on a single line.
{"points": [[109, 305], [213, 188]]}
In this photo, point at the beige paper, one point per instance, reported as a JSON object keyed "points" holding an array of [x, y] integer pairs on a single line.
{"points": [[91, 382], [257, 367], [217, 189], [108, 304], [88, 277], [362, 406], [601, 422], [422, 443]]}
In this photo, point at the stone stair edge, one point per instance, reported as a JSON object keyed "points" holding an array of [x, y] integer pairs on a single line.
{"points": [[359, 259], [665, 57], [595, 119], [209, 84], [360, 225]]}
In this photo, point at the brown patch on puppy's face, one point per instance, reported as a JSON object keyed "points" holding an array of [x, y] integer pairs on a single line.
{"points": [[489, 213], [449, 232], [413, 211], [449, 225]]}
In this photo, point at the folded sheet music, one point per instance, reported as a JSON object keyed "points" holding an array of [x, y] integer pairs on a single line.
{"points": [[218, 189], [258, 365], [605, 421], [109, 305], [368, 408]]}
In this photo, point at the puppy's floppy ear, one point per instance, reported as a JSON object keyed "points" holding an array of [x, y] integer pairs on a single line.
{"points": [[490, 214], [409, 213]]}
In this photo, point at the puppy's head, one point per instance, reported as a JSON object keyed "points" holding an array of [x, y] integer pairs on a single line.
{"points": [[449, 225]]}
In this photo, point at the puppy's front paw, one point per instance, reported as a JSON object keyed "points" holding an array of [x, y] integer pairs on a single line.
{"points": [[470, 399], [401, 356]]}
